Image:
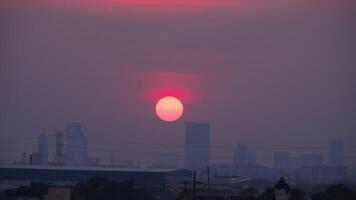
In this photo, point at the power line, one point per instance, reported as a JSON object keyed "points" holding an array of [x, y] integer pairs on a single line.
{"points": [[111, 150], [204, 146], [18, 139], [17, 148], [183, 145]]}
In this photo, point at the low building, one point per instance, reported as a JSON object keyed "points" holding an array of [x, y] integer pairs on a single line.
{"points": [[147, 178], [323, 174], [36, 159], [215, 191], [58, 193]]}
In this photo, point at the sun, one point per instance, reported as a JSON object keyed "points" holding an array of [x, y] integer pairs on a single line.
{"points": [[169, 109]]}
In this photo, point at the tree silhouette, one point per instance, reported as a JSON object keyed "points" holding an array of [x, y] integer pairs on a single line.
{"points": [[106, 189], [336, 192], [35, 189]]}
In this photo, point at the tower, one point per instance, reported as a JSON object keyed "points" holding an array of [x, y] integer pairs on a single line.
{"points": [[336, 152], [76, 145], [41, 156], [241, 155], [43, 148], [59, 155], [197, 145]]}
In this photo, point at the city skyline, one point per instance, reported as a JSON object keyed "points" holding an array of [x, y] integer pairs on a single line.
{"points": [[241, 154], [178, 99], [278, 76]]}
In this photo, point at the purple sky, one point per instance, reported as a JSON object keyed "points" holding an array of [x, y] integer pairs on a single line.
{"points": [[274, 74]]}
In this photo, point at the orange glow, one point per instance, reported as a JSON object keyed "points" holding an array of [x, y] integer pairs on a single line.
{"points": [[169, 109]]}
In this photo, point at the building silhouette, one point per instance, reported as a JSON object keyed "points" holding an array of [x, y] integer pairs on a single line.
{"points": [[43, 148], [59, 154], [76, 145], [241, 155], [281, 160], [41, 156], [336, 152], [197, 145]]}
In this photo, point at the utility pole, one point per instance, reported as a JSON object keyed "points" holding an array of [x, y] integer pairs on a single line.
{"points": [[194, 183]]}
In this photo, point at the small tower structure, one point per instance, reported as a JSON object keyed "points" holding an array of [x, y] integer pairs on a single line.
{"points": [[281, 189]]}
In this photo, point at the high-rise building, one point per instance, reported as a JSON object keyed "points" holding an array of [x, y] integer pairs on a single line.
{"points": [[312, 160], [35, 159], [241, 155], [43, 148], [281, 160], [76, 145], [59, 155], [197, 145], [41, 156], [336, 152]]}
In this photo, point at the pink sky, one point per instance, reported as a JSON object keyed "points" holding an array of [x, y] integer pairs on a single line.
{"points": [[162, 5], [255, 69]]}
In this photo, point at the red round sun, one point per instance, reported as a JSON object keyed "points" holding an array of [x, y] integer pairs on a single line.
{"points": [[169, 108]]}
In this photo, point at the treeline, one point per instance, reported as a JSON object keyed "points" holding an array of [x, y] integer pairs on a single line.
{"points": [[106, 189], [333, 192], [92, 189]]}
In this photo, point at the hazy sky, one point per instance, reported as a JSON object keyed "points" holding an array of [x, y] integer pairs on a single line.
{"points": [[278, 73]]}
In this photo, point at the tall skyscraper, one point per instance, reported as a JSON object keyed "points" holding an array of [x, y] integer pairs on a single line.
{"points": [[197, 145], [281, 160], [336, 152], [43, 147], [41, 156], [76, 145], [241, 155], [59, 155]]}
